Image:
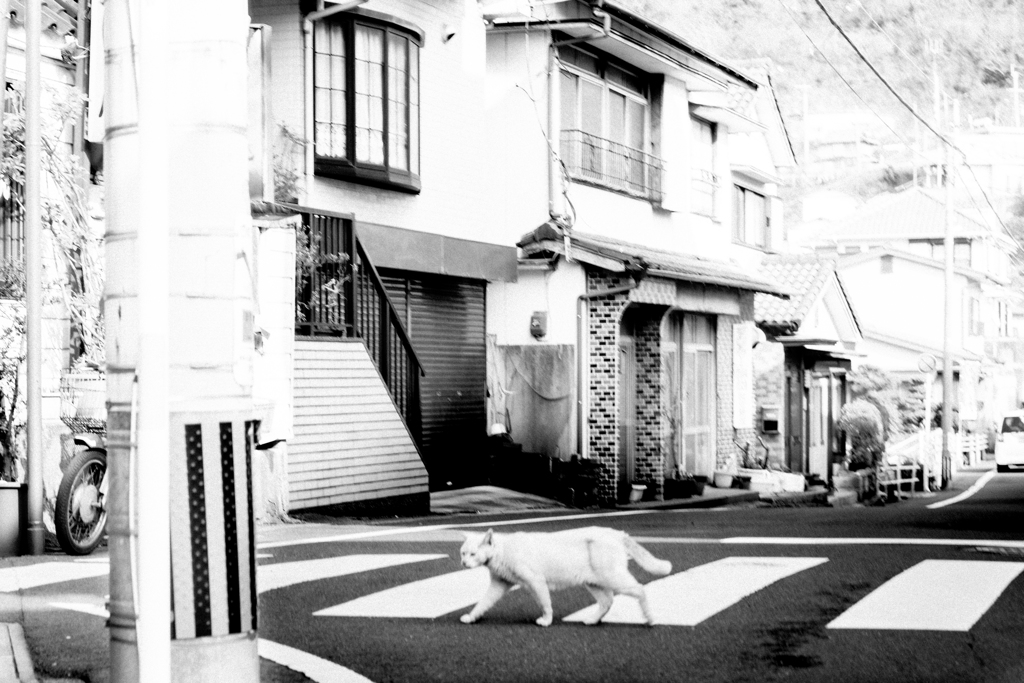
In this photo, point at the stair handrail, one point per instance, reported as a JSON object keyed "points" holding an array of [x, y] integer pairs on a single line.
{"points": [[378, 284]]}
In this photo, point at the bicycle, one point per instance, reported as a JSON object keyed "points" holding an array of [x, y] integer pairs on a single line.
{"points": [[80, 517]]}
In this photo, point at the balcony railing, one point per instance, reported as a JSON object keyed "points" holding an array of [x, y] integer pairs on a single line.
{"points": [[340, 294], [612, 165]]}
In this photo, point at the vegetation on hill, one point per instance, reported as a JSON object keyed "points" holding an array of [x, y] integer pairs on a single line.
{"points": [[976, 41]]}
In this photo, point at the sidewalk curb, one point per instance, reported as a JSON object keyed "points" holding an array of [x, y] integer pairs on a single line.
{"points": [[15, 659], [693, 502]]}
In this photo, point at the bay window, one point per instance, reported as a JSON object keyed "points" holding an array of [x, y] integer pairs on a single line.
{"points": [[366, 101]]}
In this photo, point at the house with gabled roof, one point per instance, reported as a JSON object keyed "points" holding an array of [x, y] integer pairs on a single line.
{"points": [[891, 259], [810, 343], [639, 174]]}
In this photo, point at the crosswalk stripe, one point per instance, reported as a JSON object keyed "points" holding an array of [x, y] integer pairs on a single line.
{"points": [[690, 597], [283, 574], [13, 579], [313, 667], [426, 599], [934, 595]]}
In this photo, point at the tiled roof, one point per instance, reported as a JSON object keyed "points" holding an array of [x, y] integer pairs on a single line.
{"points": [[674, 265], [913, 213], [803, 275]]}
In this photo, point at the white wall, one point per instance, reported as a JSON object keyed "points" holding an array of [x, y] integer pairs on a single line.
{"points": [[907, 303], [454, 196], [510, 305], [516, 152]]}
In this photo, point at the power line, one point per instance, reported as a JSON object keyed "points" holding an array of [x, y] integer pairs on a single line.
{"points": [[848, 84], [913, 111], [882, 78], [906, 54]]}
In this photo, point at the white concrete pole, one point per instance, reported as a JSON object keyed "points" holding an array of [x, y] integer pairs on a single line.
{"points": [[179, 322], [33, 279], [947, 337]]}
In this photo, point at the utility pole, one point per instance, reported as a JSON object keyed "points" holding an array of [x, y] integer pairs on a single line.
{"points": [[33, 279], [178, 304], [947, 337]]}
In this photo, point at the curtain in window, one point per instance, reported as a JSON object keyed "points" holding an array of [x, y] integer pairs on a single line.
{"points": [[329, 90], [369, 91], [398, 102]]}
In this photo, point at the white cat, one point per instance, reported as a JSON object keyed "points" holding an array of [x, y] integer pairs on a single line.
{"points": [[594, 557]]}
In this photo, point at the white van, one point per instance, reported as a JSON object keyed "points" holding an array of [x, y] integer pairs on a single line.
{"points": [[1010, 442]]}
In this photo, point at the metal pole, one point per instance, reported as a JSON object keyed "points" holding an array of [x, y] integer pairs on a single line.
{"points": [[153, 244], [947, 337], [33, 280], [5, 25], [556, 205]]}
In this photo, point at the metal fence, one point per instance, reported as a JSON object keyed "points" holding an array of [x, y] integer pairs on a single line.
{"points": [[611, 164]]}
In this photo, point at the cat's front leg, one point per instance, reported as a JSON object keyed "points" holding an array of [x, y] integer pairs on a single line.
{"points": [[539, 587], [494, 592]]}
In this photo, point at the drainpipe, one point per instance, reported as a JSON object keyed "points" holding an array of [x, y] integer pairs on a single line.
{"points": [[583, 381], [307, 38]]}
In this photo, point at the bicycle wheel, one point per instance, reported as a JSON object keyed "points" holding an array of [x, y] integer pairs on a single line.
{"points": [[81, 515]]}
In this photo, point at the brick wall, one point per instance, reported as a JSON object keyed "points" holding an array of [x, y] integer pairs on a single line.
{"points": [[603, 366], [649, 465], [605, 321], [770, 390]]}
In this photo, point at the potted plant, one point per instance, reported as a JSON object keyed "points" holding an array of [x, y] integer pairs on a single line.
{"points": [[724, 478], [683, 484]]}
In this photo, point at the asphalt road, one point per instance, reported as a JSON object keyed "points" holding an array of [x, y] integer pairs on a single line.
{"points": [[949, 606], [903, 593]]}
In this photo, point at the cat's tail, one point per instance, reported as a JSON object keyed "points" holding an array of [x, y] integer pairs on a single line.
{"points": [[642, 557]]}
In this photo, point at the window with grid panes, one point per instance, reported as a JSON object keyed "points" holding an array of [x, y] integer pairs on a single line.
{"points": [[366, 102], [750, 223], [605, 111]]}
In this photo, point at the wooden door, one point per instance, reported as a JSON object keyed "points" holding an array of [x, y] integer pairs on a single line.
{"points": [[695, 342]]}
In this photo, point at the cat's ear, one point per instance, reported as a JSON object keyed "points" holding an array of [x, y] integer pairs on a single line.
{"points": [[488, 537]]}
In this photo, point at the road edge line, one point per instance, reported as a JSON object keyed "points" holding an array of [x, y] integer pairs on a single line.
{"points": [[974, 488]]}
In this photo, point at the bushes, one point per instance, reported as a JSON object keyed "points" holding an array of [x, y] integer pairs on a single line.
{"points": [[862, 422]]}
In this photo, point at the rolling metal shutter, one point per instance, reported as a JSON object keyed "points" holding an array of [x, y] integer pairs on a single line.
{"points": [[445, 318]]}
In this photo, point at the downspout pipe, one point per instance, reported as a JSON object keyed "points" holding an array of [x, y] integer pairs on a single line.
{"points": [[582, 380], [307, 39]]}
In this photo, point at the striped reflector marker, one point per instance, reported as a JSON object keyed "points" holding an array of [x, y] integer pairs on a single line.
{"points": [[213, 563]]}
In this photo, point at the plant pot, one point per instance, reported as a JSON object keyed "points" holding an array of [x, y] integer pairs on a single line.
{"points": [[699, 482], [723, 480], [637, 493], [681, 488], [13, 511]]}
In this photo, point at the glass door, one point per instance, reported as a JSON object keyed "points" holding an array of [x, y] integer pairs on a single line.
{"points": [[695, 337]]}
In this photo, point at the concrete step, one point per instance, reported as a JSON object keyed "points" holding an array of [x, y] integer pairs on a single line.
{"points": [[816, 496]]}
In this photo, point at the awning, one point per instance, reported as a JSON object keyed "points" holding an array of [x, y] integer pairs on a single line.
{"points": [[621, 257]]}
